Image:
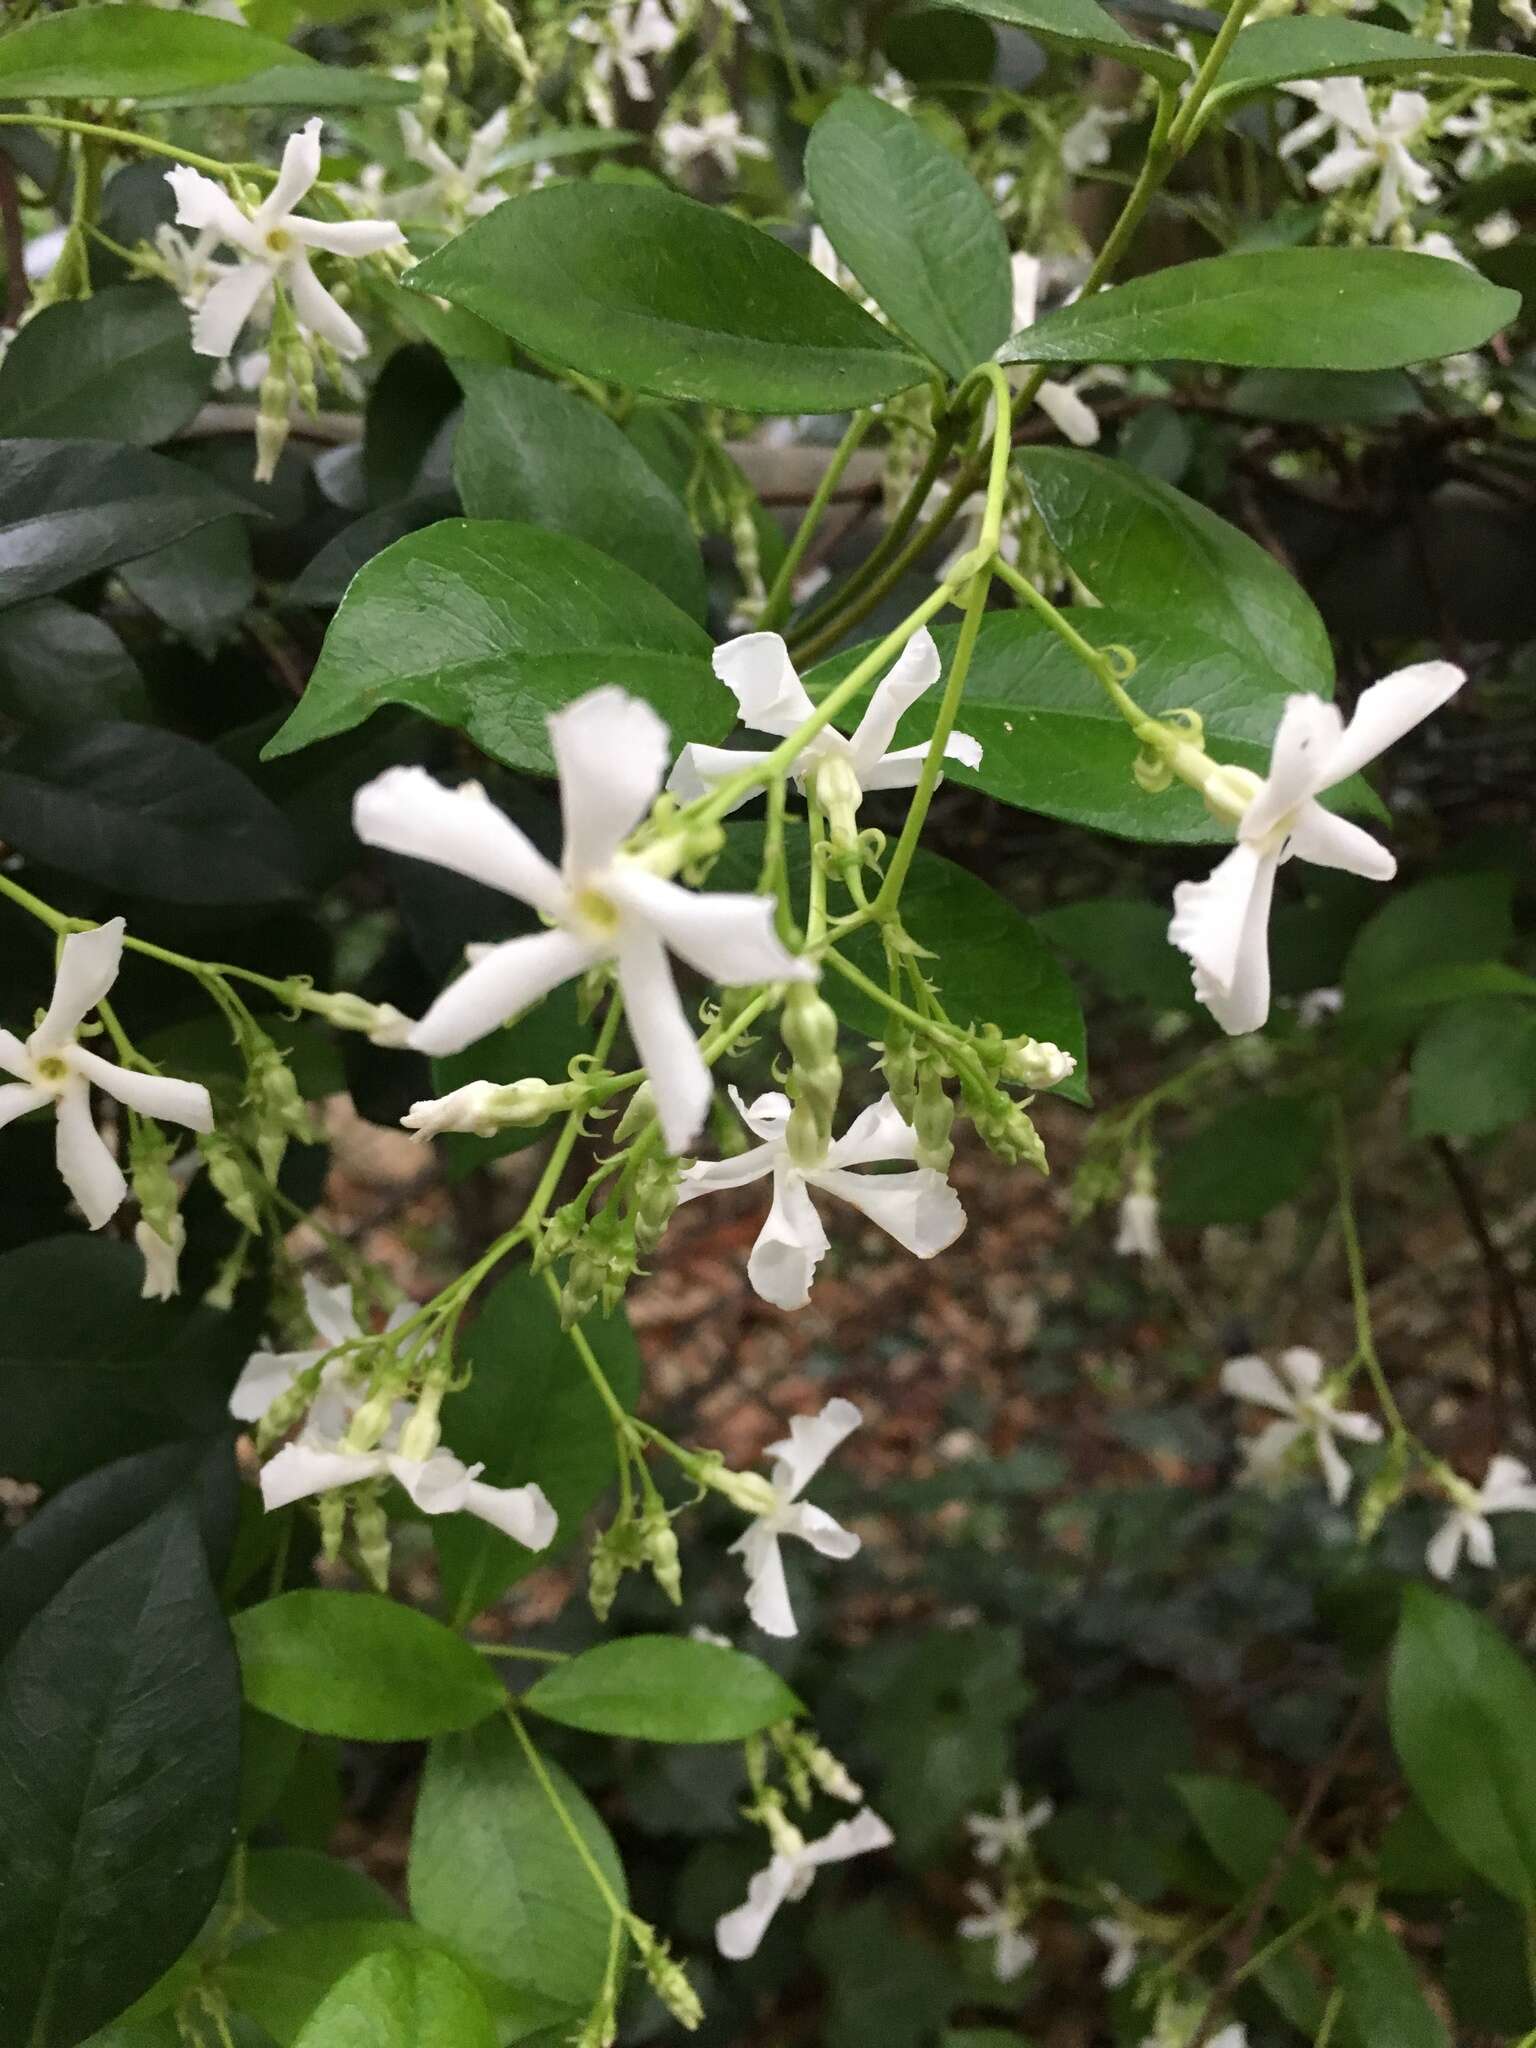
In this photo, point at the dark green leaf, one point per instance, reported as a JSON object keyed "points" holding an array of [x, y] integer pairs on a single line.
{"points": [[123, 53], [1451, 921], [296, 83], [1244, 1162], [1245, 1829], [490, 626], [200, 587], [1271, 53], [1279, 309], [403, 1998], [914, 227], [119, 366], [119, 1726], [1325, 397], [60, 666], [1474, 1069], [641, 287], [293, 1887], [1382, 1997], [361, 1666], [1124, 946], [664, 1689], [1077, 25]]}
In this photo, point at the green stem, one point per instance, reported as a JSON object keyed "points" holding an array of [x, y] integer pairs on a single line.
{"points": [[588, 1357], [522, 1650], [577, 1840], [887, 1001], [777, 604], [1354, 1259], [125, 138], [1187, 120], [1144, 726], [784, 44]]}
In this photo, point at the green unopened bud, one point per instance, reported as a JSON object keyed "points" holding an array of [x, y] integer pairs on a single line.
{"points": [[665, 1975], [226, 1170], [501, 30], [618, 1550], [585, 1279], [808, 1024], [639, 1111], [831, 1775], [271, 425], [434, 86], [370, 1422], [659, 1541], [835, 785], [382, 1023], [1007, 1131], [424, 1432], [933, 1121], [333, 1524], [560, 1234], [749, 1491], [1384, 1491], [898, 1062], [370, 1525], [654, 1204], [785, 1837], [154, 1186], [232, 1271]]}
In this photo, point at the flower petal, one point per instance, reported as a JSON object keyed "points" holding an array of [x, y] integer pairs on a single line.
{"points": [[920, 1210], [522, 1512], [812, 1439], [698, 768], [296, 174], [1444, 1550], [1026, 289], [1303, 1367], [18, 1098], [160, 1096], [663, 1036], [229, 304], [790, 1245], [611, 754], [757, 670], [816, 1527], [321, 314], [502, 984], [1308, 732], [713, 1176], [300, 1469], [767, 1588], [264, 1376], [766, 1116], [1331, 842], [860, 1836], [739, 1934], [1251, 1378], [1340, 167], [1337, 1477], [331, 1311], [726, 935], [1072, 417], [85, 1160], [915, 670], [1508, 1486], [347, 237], [902, 769], [1388, 710], [203, 203], [1222, 924], [406, 811], [88, 966], [877, 1133]]}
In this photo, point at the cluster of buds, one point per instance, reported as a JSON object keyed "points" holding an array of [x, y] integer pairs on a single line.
{"points": [[664, 1973], [809, 1027], [639, 1537], [160, 1233], [810, 1767]]}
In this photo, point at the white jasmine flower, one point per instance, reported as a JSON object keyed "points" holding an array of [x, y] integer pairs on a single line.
{"points": [[1087, 141], [838, 771], [894, 90], [1317, 1006], [188, 263], [623, 39], [1307, 1409], [1436, 243], [1006, 1834], [275, 244], [267, 1375], [1497, 231], [1507, 1488], [1060, 403], [453, 192], [797, 1459], [919, 1209], [42, 252], [52, 1069], [1124, 1945], [1477, 129], [790, 1876], [601, 903], [1365, 144], [1137, 1234], [996, 1920], [1222, 923], [717, 135], [162, 1259]]}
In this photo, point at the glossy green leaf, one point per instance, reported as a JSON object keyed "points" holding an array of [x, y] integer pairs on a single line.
{"points": [[200, 587], [1279, 309], [529, 449], [1271, 53], [63, 666], [69, 508], [294, 84], [1474, 1069], [1123, 945], [119, 1731], [1325, 398], [119, 367], [664, 1689], [1243, 1162], [360, 1666], [1462, 1705], [490, 626], [1461, 920], [401, 1998], [293, 1887], [120, 53], [914, 227], [494, 1873], [1079, 25], [539, 1420], [642, 287], [1382, 1996], [549, 145]]}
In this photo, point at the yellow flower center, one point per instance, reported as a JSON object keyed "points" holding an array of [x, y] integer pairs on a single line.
{"points": [[279, 241], [597, 914], [52, 1069]]}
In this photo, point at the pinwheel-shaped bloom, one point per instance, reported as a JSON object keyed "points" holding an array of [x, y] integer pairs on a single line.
{"points": [[1365, 145], [53, 1070], [759, 674], [797, 1458], [274, 245], [602, 904], [919, 1209], [997, 1920], [790, 1876], [716, 135], [1507, 1489], [1068, 413], [452, 192], [1222, 923], [623, 39], [1306, 1408], [1124, 1945], [1004, 1836]]}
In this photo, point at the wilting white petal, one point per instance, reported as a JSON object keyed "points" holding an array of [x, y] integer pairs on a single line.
{"points": [[1071, 416], [203, 203], [1388, 710], [346, 237], [878, 1133], [728, 936], [301, 1469], [611, 753], [88, 966], [767, 1589], [699, 768], [321, 314], [1332, 842], [296, 174], [1251, 1378], [663, 1035], [1222, 924], [738, 1934], [442, 1484], [17, 1098], [915, 670], [790, 1245], [160, 1096], [920, 1210], [85, 1160], [759, 674], [502, 984], [406, 811], [1026, 288], [812, 1439], [228, 304]]}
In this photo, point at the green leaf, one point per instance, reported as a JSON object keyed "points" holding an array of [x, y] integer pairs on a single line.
{"points": [[1423, 988], [402, 1998], [494, 1872], [1243, 1162], [461, 336], [123, 53], [360, 1666], [1474, 1070], [664, 1689], [644, 288], [914, 227], [297, 83], [119, 367], [1078, 25], [1279, 309], [119, 1732], [490, 626], [73, 507], [61, 666], [1133, 540], [1325, 398], [529, 449], [1123, 945], [200, 587], [542, 1421], [1462, 1706], [551, 144], [1271, 53], [1244, 1829], [294, 1887], [148, 813], [1450, 921], [1382, 1998]]}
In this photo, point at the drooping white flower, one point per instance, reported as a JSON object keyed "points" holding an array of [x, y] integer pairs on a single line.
{"points": [[1222, 923], [53, 1070], [1004, 1835], [790, 1876], [1365, 145], [997, 1921], [1306, 1407], [1087, 142], [622, 40], [162, 1258], [919, 1209], [717, 135], [1137, 1234], [601, 903], [1124, 1945], [838, 770], [1070, 414], [452, 192], [1507, 1488], [797, 1459], [274, 245]]}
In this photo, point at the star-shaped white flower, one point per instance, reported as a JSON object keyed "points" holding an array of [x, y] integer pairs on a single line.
{"points": [[452, 192], [1222, 923], [53, 1070], [759, 674], [1365, 145], [601, 903], [1087, 142], [797, 1459], [997, 1921], [1124, 1945], [1068, 413], [274, 245], [716, 135], [919, 1209], [1307, 1409], [997, 1837], [790, 1876], [1507, 1489], [623, 39]]}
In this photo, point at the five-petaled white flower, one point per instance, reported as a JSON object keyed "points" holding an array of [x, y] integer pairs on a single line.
{"points": [[790, 1876], [1068, 413], [453, 192], [1306, 1409], [602, 904], [797, 1458], [53, 1069], [997, 1920], [717, 135], [919, 1209], [1507, 1488], [275, 244], [622, 40], [1001, 1836], [1365, 144], [1222, 923], [837, 770], [1124, 1945]]}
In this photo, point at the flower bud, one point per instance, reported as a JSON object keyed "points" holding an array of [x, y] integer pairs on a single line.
{"points": [[659, 1541], [665, 1975], [831, 1775], [898, 1062], [162, 1255], [749, 1491], [808, 1024], [226, 1171], [835, 785], [271, 425], [382, 1022], [333, 1524], [933, 1120], [1036, 1063], [423, 1432], [482, 1108], [222, 1293], [370, 1526], [370, 1422], [655, 1203]]}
